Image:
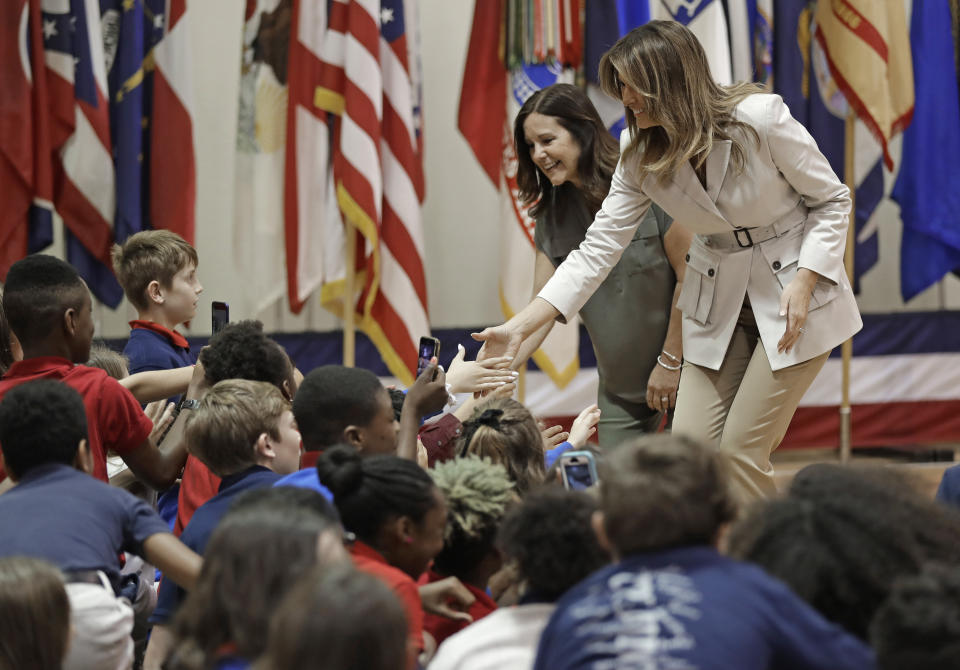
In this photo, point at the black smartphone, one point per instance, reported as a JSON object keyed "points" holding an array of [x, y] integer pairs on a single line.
{"points": [[578, 470], [221, 315], [429, 347]]}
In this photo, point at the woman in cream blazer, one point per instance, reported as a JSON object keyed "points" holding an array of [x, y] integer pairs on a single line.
{"points": [[765, 296]]}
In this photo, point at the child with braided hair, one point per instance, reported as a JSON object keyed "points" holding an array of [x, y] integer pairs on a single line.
{"points": [[478, 494]]}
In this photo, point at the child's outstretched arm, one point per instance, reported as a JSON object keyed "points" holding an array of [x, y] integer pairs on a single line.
{"points": [[158, 384], [177, 561], [161, 467]]}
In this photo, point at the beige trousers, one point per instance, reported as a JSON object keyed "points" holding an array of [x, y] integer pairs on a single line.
{"points": [[744, 408]]}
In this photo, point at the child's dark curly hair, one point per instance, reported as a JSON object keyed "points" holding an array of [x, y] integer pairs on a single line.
{"points": [[551, 540], [242, 351]]}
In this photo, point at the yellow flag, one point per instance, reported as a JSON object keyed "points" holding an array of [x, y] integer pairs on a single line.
{"points": [[867, 45]]}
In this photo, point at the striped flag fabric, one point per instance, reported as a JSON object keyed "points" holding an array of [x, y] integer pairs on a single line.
{"points": [[867, 47], [802, 78], [314, 231], [146, 52], [84, 180], [97, 83], [372, 106], [26, 154], [173, 181]]}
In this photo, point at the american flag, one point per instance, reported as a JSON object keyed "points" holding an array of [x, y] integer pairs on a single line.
{"points": [[76, 119], [67, 149], [366, 91]]}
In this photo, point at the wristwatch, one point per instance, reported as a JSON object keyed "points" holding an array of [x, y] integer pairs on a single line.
{"points": [[190, 403]]}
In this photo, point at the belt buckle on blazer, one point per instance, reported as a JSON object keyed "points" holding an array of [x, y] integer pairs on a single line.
{"points": [[736, 236]]}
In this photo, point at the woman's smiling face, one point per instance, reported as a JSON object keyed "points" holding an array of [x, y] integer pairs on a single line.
{"points": [[552, 148]]}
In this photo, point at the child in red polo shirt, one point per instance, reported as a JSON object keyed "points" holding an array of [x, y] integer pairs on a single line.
{"points": [[158, 272], [478, 494], [48, 307], [398, 517]]}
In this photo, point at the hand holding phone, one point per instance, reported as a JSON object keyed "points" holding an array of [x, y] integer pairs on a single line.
{"points": [[429, 347], [578, 470], [221, 315]]}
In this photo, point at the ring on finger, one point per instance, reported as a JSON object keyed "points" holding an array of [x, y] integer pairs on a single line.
{"points": [[801, 329]]}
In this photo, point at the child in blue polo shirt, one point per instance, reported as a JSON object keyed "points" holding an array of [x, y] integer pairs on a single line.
{"points": [[59, 513], [158, 272], [245, 433]]}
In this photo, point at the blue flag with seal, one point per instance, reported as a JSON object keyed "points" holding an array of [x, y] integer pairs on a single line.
{"points": [[927, 186], [130, 32]]}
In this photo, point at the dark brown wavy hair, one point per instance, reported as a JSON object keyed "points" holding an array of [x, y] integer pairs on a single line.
{"points": [[599, 151]]}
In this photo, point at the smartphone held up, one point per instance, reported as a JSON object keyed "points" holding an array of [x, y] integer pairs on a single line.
{"points": [[429, 347], [578, 469], [221, 315]]}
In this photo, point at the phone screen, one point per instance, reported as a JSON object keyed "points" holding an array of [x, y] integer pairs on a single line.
{"points": [[221, 316], [577, 476], [429, 347]]}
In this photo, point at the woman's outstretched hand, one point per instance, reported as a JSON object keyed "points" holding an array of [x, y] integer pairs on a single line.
{"points": [[498, 341]]}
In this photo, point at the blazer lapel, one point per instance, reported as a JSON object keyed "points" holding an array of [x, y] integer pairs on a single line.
{"points": [[683, 189], [717, 167]]}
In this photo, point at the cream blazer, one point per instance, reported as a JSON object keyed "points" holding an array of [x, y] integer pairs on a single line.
{"points": [[786, 182]]}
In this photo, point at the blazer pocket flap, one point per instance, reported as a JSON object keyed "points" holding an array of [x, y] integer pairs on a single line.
{"points": [[782, 253], [699, 284], [703, 260]]}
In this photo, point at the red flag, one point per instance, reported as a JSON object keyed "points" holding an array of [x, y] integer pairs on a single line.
{"points": [[25, 154], [483, 96]]}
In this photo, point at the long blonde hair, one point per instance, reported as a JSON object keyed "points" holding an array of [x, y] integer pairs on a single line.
{"points": [[666, 64]]}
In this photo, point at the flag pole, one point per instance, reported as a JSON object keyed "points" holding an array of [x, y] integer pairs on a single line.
{"points": [[847, 347], [349, 298]]}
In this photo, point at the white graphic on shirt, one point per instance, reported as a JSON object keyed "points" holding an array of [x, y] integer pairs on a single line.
{"points": [[637, 620]]}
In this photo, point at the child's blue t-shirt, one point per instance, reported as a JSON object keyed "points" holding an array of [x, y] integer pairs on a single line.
{"points": [[690, 607], [74, 521]]}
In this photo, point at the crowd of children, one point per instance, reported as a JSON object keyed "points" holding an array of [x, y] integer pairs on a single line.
{"points": [[300, 521]]}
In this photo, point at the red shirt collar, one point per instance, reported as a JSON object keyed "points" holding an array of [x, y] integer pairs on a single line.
{"points": [[175, 338], [360, 548], [32, 366]]}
